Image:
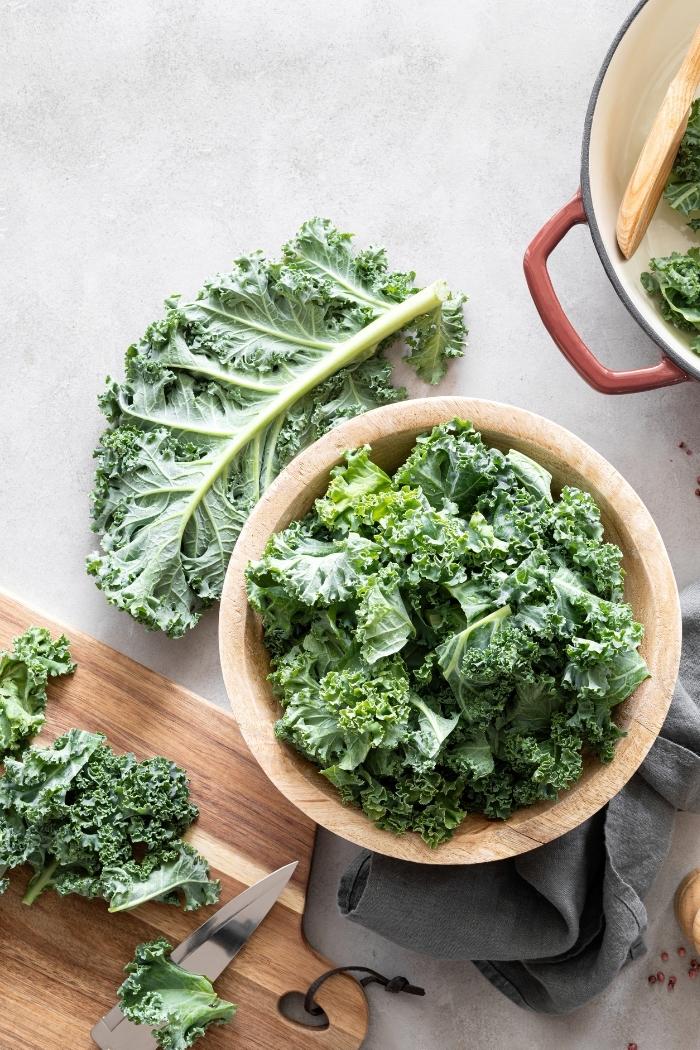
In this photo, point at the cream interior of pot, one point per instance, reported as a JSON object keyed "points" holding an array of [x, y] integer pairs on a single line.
{"points": [[645, 61]]}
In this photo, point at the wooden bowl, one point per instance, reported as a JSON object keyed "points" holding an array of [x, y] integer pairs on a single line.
{"points": [[650, 588]]}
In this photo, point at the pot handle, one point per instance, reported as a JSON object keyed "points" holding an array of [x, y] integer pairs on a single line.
{"points": [[562, 331]]}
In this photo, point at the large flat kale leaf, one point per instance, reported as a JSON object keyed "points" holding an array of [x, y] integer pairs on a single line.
{"points": [[225, 390]]}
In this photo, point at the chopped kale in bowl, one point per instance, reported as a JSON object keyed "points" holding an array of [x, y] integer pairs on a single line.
{"points": [[452, 639]]}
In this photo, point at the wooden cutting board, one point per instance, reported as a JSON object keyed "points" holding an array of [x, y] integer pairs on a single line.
{"points": [[61, 959]]}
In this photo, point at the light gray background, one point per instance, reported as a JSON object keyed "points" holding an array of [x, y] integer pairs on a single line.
{"points": [[145, 143]]}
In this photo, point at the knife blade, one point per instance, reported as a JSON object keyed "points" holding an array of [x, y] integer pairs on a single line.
{"points": [[207, 951]]}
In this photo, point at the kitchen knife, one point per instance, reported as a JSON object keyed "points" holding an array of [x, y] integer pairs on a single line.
{"points": [[207, 951]]}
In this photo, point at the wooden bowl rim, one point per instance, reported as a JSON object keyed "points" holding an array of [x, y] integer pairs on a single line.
{"points": [[478, 839]]}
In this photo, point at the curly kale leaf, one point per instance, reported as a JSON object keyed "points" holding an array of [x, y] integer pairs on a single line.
{"points": [[99, 824], [682, 190], [178, 1005], [483, 663], [448, 640], [383, 623], [426, 801], [578, 530], [225, 390], [470, 753], [317, 572], [674, 281], [433, 728], [350, 711], [354, 492], [437, 336], [451, 464], [24, 673], [169, 875]]}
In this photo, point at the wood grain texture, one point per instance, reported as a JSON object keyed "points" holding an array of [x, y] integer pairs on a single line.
{"points": [[653, 168], [61, 960], [650, 588]]}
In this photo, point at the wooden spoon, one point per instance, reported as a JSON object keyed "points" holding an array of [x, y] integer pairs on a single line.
{"points": [[658, 153], [687, 907]]}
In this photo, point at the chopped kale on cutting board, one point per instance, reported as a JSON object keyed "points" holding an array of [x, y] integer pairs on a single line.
{"points": [[178, 1005], [24, 674], [99, 824]]}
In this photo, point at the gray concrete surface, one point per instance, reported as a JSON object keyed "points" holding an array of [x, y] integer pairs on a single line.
{"points": [[144, 143]]}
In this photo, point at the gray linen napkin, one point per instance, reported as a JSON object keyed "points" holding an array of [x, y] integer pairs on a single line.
{"points": [[551, 928]]}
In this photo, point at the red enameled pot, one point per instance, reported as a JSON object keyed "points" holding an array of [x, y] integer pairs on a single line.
{"points": [[627, 94]]}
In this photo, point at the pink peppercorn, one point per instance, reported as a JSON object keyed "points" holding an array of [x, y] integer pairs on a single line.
{"points": [[652, 978], [631, 1046], [681, 951], [671, 983], [664, 956], [692, 972], [660, 976]]}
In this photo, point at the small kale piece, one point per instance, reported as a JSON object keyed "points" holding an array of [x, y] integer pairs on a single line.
{"points": [[448, 640], [24, 673], [383, 623], [168, 875], [682, 190], [674, 281], [177, 1004], [99, 824]]}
